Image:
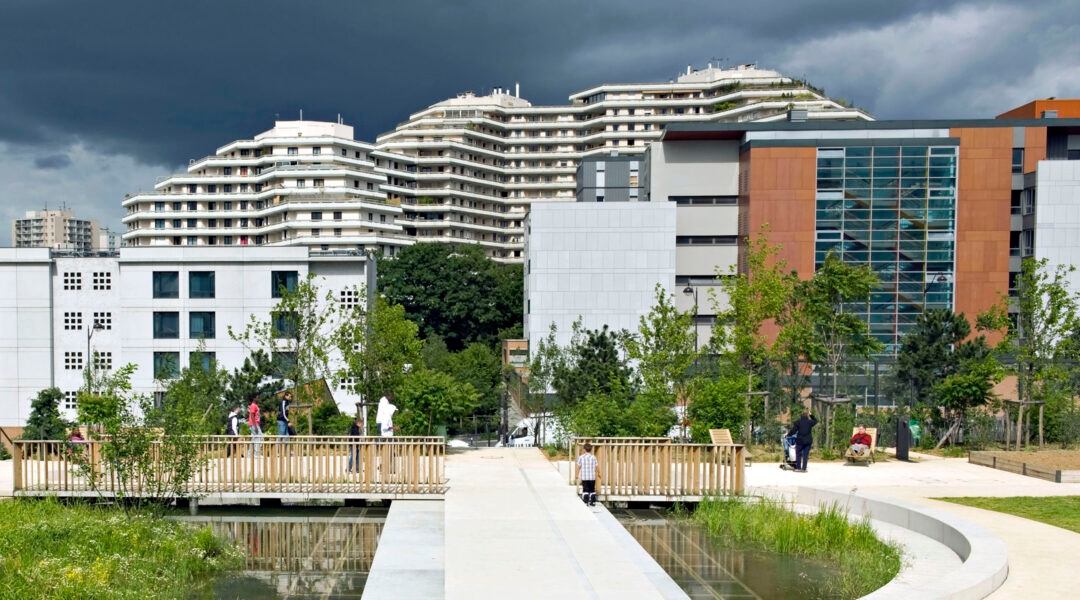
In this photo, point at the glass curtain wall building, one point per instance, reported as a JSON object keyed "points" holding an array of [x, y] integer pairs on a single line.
{"points": [[892, 208]]}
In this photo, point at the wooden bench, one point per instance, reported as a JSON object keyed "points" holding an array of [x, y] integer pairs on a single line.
{"points": [[722, 437]]}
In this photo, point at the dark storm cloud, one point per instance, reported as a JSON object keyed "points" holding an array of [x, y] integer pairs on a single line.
{"points": [[165, 82], [53, 161]]}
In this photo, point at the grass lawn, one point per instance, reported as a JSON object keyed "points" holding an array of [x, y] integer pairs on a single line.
{"points": [[1059, 511]]}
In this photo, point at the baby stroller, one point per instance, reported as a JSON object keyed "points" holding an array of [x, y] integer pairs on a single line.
{"points": [[789, 452]]}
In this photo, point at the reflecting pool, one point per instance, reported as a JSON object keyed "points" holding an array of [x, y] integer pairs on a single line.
{"points": [[705, 568], [296, 552]]}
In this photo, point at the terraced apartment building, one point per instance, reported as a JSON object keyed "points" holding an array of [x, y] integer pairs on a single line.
{"points": [[462, 170]]}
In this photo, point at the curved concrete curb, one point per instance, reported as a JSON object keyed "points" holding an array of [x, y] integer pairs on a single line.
{"points": [[985, 558]]}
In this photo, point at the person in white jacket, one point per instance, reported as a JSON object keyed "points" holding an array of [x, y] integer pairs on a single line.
{"points": [[384, 415]]}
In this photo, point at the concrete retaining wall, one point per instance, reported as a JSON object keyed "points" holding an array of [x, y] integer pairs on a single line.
{"points": [[984, 556]]}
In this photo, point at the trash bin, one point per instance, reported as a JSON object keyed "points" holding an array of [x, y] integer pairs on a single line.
{"points": [[916, 432], [903, 439]]}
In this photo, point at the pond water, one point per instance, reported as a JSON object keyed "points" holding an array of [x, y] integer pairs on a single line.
{"points": [[296, 552], [705, 568]]}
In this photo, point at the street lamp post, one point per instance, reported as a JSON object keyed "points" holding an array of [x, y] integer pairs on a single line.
{"points": [[691, 290], [938, 278], [97, 326]]}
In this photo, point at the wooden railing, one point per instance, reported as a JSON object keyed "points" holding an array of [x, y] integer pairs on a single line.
{"points": [[642, 468], [241, 465]]}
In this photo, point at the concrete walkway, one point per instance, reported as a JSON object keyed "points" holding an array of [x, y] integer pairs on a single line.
{"points": [[515, 528], [1041, 557]]}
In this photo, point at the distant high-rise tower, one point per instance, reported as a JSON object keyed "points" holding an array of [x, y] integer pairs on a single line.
{"points": [[57, 229]]}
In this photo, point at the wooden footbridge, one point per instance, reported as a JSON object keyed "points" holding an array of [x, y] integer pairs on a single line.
{"points": [[335, 468]]}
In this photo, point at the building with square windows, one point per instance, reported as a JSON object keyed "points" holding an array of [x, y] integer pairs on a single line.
{"points": [[152, 307]]}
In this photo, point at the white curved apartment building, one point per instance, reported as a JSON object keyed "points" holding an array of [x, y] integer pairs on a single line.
{"points": [[303, 183], [469, 167], [462, 170]]}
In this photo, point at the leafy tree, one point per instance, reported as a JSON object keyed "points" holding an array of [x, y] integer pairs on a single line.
{"points": [[718, 404], [199, 390], [435, 353], [299, 334], [44, 422], [837, 334], [593, 364], [427, 399], [1044, 334], [927, 353], [379, 347], [664, 349], [454, 291], [252, 380], [478, 366]]}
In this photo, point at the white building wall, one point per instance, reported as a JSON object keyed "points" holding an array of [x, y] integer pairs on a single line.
{"points": [[600, 262], [25, 330], [1057, 214], [38, 302]]}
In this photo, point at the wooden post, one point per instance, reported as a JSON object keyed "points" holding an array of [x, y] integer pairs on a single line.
{"points": [[1041, 406], [16, 466], [1019, 424]]}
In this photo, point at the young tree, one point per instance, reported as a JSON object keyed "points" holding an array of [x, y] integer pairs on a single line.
{"points": [[44, 422], [428, 399], [927, 354], [379, 347], [252, 380], [299, 335], [593, 364], [199, 390], [480, 367]]}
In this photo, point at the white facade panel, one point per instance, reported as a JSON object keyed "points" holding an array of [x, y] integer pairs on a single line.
{"points": [[1057, 214], [600, 262]]}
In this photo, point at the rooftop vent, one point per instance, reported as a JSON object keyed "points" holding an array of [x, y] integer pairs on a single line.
{"points": [[797, 115], [1049, 114]]}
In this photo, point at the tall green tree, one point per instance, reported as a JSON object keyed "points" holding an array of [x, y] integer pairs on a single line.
{"points": [[838, 333], [428, 399], [593, 363], [251, 380], [927, 353], [379, 347], [456, 292], [478, 366], [199, 391], [45, 422]]}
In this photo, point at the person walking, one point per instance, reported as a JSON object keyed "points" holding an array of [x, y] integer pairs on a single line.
{"points": [[254, 422], [384, 415], [804, 438], [587, 473], [232, 429], [283, 415], [356, 431]]}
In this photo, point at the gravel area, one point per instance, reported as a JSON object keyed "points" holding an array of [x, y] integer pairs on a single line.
{"points": [[1063, 460]]}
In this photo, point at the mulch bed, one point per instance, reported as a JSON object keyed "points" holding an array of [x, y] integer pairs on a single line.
{"points": [[1062, 466]]}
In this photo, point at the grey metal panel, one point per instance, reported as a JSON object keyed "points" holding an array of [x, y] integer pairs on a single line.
{"points": [[1019, 136], [1017, 181], [1016, 222]]}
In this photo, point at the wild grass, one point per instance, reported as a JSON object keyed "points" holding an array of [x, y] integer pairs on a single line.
{"points": [[1059, 511], [79, 551], [865, 562]]}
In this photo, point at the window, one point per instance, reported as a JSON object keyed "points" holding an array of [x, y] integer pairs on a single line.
{"points": [[280, 280], [1017, 160], [191, 188], [285, 324], [228, 240], [201, 284], [301, 183], [193, 205], [166, 365], [159, 223], [211, 189], [349, 298], [72, 321], [226, 171], [706, 240], [316, 150], [104, 319], [159, 206], [317, 182], [166, 325], [176, 206], [73, 361], [205, 360], [192, 240], [337, 215], [337, 232], [314, 233], [71, 401], [293, 151], [227, 188], [211, 205], [103, 360], [166, 284], [72, 281], [201, 325], [102, 281], [316, 215]]}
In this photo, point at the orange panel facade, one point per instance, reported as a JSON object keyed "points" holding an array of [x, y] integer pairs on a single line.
{"points": [[1034, 147], [982, 217], [1066, 109], [777, 187]]}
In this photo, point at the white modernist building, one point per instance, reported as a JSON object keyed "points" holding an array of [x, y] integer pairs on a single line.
{"points": [[153, 307], [466, 169], [303, 183], [597, 262]]}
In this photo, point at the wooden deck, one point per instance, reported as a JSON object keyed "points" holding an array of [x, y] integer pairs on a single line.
{"points": [[239, 468]]}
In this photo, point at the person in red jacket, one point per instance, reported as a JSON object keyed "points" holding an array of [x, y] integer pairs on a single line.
{"points": [[860, 442]]}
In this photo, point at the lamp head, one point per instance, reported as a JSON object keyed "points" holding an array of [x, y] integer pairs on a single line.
{"points": [[688, 290]]}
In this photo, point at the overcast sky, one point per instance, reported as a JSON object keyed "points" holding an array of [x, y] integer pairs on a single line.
{"points": [[100, 99]]}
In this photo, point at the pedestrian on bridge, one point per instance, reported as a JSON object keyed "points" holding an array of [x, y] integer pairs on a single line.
{"points": [[232, 429], [356, 431], [255, 423], [587, 473]]}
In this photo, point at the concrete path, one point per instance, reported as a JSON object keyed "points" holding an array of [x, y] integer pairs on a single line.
{"points": [[409, 561], [516, 529], [1041, 558]]}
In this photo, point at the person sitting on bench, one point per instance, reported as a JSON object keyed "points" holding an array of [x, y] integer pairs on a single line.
{"points": [[860, 442]]}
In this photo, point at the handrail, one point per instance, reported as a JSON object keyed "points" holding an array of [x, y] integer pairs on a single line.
{"points": [[246, 465], [655, 467]]}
